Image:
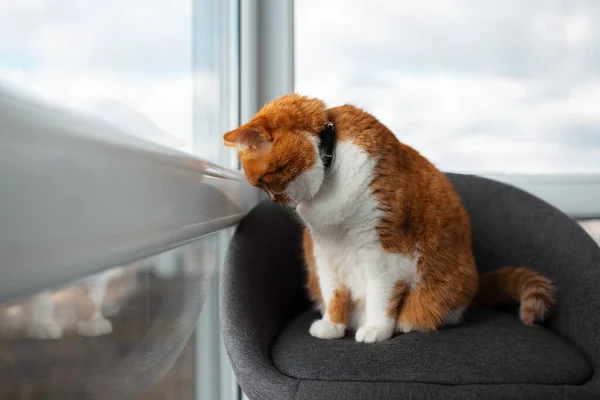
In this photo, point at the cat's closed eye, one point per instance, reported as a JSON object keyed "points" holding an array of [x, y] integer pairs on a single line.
{"points": [[277, 169]]}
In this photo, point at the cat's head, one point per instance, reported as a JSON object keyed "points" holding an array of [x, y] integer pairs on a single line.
{"points": [[279, 148]]}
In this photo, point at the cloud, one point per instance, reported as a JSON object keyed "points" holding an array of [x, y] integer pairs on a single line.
{"points": [[147, 107], [474, 85], [510, 37], [129, 37], [129, 62]]}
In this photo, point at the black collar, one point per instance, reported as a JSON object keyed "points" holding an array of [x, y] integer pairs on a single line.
{"points": [[327, 144]]}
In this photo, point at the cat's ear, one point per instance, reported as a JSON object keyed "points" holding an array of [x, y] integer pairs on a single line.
{"points": [[245, 139]]}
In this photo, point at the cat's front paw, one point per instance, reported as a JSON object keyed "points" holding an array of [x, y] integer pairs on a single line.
{"points": [[326, 330], [94, 327], [372, 334], [45, 330]]}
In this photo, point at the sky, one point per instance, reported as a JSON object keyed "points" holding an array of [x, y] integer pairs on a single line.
{"points": [[475, 85], [129, 62]]}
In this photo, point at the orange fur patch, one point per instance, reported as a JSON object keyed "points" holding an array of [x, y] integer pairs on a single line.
{"points": [[337, 309], [397, 296], [518, 285], [312, 279]]}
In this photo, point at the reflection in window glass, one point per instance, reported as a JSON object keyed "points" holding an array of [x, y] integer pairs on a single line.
{"points": [[120, 333], [476, 86], [153, 69], [180, 381], [126, 62]]}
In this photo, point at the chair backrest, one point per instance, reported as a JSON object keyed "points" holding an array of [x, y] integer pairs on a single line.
{"points": [[513, 228]]}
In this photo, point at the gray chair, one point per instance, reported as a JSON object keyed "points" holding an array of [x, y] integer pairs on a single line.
{"points": [[266, 316]]}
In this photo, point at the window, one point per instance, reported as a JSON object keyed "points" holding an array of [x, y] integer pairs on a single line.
{"points": [[126, 331], [476, 86], [163, 72], [129, 63]]}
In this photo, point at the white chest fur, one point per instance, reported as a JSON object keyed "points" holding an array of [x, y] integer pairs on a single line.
{"points": [[342, 218]]}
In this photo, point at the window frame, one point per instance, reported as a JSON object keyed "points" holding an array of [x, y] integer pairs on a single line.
{"points": [[117, 199]]}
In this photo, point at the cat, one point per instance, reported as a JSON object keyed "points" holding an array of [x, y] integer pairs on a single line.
{"points": [[81, 307], [387, 242]]}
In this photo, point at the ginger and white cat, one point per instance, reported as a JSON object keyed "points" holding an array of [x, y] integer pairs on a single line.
{"points": [[84, 307], [81, 308], [387, 241]]}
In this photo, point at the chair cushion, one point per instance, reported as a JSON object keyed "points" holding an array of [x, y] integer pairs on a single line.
{"points": [[491, 347]]}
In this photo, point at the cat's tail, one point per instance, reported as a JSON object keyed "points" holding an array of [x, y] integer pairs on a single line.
{"points": [[534, 292]]}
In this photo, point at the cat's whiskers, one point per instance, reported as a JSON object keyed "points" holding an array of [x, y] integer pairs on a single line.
{"points": [[292, 199], [308, 212]]}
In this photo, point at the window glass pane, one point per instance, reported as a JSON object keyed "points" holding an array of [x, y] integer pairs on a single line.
{"points": [[127, 62], [120, 333], [216, 72], [476, 86], [179, 383], [163, 71]]}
